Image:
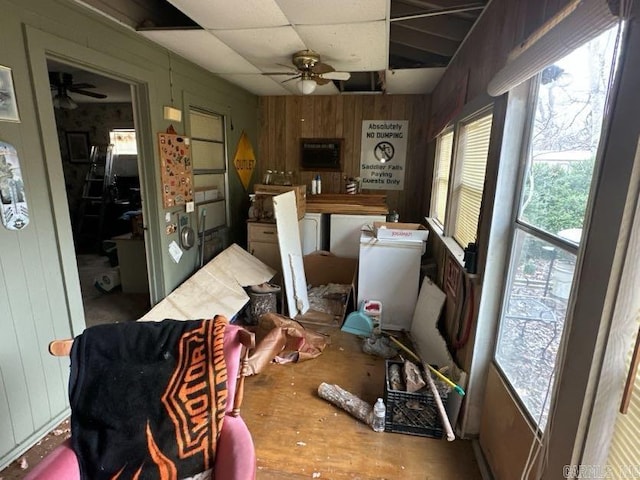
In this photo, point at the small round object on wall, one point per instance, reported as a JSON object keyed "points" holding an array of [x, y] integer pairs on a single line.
{"points": [[187, 237]]}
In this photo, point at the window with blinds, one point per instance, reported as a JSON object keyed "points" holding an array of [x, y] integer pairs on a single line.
{"points": [[444, 151], [472, 158]]}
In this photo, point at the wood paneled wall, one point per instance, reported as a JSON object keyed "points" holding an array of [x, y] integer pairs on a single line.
{"points": [[504, 24], [284, 120]]}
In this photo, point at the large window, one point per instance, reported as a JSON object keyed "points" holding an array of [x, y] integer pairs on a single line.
{"points": [[461, 160], [558, 163]]}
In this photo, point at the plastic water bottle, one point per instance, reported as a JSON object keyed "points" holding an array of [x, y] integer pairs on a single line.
{"points": [[319, 182], [379, 413], [314, 186]]}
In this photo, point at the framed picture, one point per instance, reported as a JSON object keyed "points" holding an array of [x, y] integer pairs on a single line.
{"points": [[8, 103], [78, 147], [323, 154]]}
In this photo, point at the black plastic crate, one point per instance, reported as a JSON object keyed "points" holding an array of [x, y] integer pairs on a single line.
{"points": [[412, 413]]}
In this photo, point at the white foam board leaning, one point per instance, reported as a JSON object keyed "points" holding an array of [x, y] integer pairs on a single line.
{"points": [[295, 282], [215, 289], [430, 345]]}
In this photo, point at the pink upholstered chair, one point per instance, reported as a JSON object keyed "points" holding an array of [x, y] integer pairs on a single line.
{"points": [[235, 455]]}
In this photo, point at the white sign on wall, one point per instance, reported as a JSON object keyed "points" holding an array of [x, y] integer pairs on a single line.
{"points": [[383, 154]]}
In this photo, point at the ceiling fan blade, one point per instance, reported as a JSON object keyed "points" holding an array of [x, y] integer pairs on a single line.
{"points": [[337, 75], [319, 68], [292, 78], [83, 85], [321, 81], [280, 73], [87, 93], [288, 67]]}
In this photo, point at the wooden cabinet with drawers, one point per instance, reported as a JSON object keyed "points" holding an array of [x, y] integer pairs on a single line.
{"points": [[263, 243]]}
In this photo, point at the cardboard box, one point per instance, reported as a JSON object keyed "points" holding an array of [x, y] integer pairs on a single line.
{"points": [[400, 231], [323, 268]]}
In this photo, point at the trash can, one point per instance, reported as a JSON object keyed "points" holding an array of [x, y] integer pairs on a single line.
{"points": [[262, 299]]}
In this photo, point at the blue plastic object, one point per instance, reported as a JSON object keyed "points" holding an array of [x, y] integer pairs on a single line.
{"points": [[358, 323]]}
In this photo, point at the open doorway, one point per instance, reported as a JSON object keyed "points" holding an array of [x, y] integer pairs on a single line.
{"points": [[98, 146]]}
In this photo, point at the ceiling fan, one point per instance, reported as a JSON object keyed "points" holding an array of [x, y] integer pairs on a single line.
{"points": [[62, 84], [311, 71]]}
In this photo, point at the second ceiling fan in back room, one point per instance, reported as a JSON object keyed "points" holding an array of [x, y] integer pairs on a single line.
{"points": [[62, 83], [311, 71]]}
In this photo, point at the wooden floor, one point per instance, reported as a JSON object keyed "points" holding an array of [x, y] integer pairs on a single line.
{"points": [[298, 435]]}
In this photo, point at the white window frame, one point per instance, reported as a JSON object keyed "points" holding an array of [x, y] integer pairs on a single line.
{"points": [[435, 191], [472, 112]]}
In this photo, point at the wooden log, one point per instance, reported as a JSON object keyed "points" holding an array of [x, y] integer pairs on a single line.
{"points": [[413, 378], [347, 401], [395, 380]]}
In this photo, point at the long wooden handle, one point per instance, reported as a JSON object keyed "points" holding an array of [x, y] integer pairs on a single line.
{"points": [[443, 413], [631, 377]]}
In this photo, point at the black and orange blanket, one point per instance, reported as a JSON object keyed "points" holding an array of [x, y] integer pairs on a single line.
{"points": [[147, 398]]}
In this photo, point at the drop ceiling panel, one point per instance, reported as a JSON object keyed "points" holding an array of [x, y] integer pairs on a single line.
{"points": [[220, 14], [257, 84], [264, 47], [350, 47], [313, 12], [412, 81], [201, 48]]}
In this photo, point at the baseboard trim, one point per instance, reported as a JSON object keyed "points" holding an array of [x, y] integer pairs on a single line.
{"points": [[483, 465]]}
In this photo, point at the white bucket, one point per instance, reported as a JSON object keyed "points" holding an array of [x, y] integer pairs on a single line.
{"points": [[561, 280]]}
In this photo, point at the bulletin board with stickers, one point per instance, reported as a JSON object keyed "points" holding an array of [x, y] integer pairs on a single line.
{"points": [[176, 169]]}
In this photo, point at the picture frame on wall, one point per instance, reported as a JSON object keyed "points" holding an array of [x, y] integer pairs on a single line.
{"points": [[321, 154], [8, 102], [78, 147]]}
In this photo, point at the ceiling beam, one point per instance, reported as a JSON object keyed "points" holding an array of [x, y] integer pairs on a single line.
{"points": [[446, 26], [442, 4], [433, 6], [157, 13], [401, 56], [422, 41]]}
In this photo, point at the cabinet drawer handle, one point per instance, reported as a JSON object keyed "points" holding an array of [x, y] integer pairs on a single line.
{"points": [[268, 232]]}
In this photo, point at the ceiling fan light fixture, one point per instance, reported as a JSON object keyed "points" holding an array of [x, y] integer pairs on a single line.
{"points": [[64, 102], [306, 85]]}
